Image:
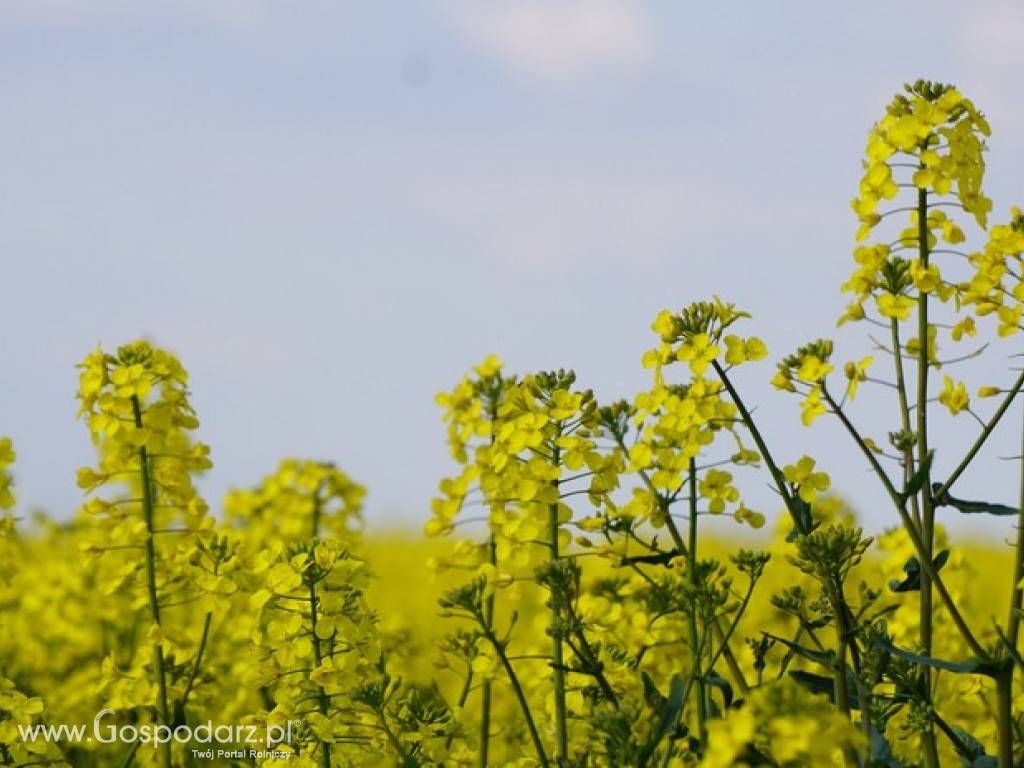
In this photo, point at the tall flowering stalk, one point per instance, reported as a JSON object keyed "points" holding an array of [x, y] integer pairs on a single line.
{"points": [[136, 405], [471, 411], [929, 143], [305, 587]]}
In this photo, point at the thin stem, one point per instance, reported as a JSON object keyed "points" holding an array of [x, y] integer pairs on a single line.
{"points": [[901, 389], [392, 739], [198, 660], [557, 661], [677, 539], [485, 694], [517, 689], [773, 468], [727, 635], [586, 653], [1017, 594], [323, 699], [315, 522], [1004, 683], [463, 697], [839, 673], [915, 538], [990, 426], [700, 690], [151, 591], [931, 756]]}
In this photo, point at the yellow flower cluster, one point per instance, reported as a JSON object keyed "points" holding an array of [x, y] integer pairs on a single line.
{"points": [[785, 724], [18, 712], [942, 133], [137, 410], [298, 501]]}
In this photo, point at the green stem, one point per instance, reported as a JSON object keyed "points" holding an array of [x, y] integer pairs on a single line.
{"points": [[677, 539], [723, 640], [838, 601], [586, 652], [463, 697], [912, 532], [198, 660], [931, 755], [777, 477], [485, 694], [700, 690], [901, 390], [1004, 715], [148, 506], [990, 426], [392, 739], [315, 522], [1004, 684], [323, 700], [517, 689], [557, 659]]}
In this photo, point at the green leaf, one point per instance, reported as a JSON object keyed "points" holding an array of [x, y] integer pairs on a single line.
{"points": [[972, 507], [673, 707], [652, 695], [972, 666], [880, 754], [129, 756], [971, 751], [821, 684], [912, 581], [918, 479], [1014, 653], [825, 658], [802, 518], [721, 684]]}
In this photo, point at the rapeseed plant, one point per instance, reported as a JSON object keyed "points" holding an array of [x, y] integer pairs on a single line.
{"points": [[585, 615]]}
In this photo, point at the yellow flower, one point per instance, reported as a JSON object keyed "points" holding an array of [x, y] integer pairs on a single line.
{"points": [[640, 456], [490, 366], [964, 327], [813, 369], [716, 487], [926, 279], [746, 515], [808, 482], [811, 407], [894, 305], [666, 325], [854, 311], [743, 350], [855, 374], [783, 380], [699, 351], [954, 396]]}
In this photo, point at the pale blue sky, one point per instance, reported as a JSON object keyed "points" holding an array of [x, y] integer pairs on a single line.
{"points": [[330, 210]]}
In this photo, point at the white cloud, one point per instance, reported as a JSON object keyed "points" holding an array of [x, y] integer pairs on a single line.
{"points": [[557, 39]]}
